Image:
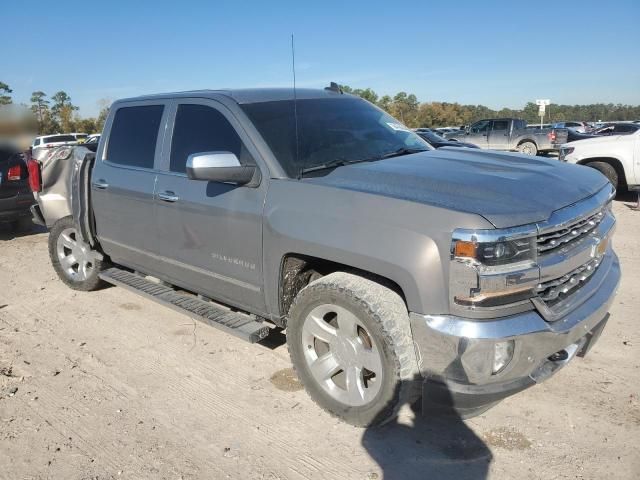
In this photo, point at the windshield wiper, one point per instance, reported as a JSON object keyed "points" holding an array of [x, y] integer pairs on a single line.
{"points": [[403, 151], [341, 162], [338, 162]]}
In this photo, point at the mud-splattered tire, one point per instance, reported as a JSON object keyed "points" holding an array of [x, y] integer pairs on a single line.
{"points": [[607, 170], [528, 148], [72, 259], [350, 343]]}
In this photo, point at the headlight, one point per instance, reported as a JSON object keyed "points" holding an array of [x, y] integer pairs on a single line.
{"points": [[564, 152], [496, 253], [493, 269]]}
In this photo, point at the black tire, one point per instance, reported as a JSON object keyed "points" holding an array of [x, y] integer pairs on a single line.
{"points": [[383, 314], [91, 281], [528, 148], [607, 170]]}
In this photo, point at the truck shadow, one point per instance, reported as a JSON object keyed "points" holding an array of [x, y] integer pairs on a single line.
{"points": [[8, 232], [437, 445]]}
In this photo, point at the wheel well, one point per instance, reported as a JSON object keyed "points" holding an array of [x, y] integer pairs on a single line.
{"points": [[297, 271], [614, 162], [529, 140]]}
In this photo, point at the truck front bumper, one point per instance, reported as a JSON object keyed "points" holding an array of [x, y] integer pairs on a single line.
{"points": [[456, 355]]}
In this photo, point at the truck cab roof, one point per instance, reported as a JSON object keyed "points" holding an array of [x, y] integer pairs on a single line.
{"points": [[246, 95]]}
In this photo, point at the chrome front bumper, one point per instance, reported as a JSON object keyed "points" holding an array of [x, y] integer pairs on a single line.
{"points": [[456, 354]]}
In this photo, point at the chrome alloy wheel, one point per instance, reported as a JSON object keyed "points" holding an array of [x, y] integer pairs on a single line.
{"points": [[75, 256], [341, 355]]}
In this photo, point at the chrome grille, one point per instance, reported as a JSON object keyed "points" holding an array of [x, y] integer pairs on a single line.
{"points": [[548, 241], [558, 289]]}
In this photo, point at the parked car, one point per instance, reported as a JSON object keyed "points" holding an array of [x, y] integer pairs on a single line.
{"points": [[572, 135], [617, 129], [51, 141], [391, 265], [580, 127], [15, 196], [436, 141], [612, 155], [511, 134]]}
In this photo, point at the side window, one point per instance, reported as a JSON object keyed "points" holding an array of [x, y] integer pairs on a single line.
{"points": [[481, 126], [624, 128], [500, 125], [133, 136], [199, 128]]}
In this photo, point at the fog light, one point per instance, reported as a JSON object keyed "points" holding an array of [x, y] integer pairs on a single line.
{"points": [[503, 354]]}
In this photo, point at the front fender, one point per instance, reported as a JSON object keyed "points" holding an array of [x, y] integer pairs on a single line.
{"points": [[405, 242]]}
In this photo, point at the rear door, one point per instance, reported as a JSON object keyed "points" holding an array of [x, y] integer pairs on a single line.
{"points": [[499, 135], [210, 232], [123, 182]]}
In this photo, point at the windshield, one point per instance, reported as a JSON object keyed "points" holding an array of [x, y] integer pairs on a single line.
{"points": [[330, 130]]}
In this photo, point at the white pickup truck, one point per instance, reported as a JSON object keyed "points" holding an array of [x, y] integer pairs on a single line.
{"points": [[613, 155]]}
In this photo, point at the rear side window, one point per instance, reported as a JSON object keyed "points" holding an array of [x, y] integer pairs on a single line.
{"points": [[59, 138], [133, 136], [199, 128], [500, 125]]}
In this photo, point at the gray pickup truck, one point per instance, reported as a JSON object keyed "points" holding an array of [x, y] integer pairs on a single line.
{"points": [[511, 134], [397, 270]]}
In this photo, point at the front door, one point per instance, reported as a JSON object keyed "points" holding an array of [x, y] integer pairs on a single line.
{"points": [[499, 135], [478, 133], [210, 232], [122, 184]]}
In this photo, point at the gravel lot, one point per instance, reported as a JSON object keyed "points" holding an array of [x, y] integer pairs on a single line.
{"points": [[108, 385]]}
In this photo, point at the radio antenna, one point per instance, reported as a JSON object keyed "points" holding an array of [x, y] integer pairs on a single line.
{"points": [[295, 98]]}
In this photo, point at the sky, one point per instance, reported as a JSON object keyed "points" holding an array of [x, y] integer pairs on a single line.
{"points": [[495, 53]]}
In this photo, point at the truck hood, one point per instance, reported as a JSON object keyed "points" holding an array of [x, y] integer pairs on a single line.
{"points": [[506, 189]]}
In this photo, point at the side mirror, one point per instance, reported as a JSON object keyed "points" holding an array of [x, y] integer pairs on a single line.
{"points": [[221, 167]]}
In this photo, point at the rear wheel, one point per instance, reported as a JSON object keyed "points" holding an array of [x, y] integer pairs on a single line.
{"points": [[75, 262], [351, 345], [528, 148], [607, 170]]}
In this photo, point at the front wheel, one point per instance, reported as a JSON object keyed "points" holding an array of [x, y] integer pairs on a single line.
{"points": [[528, 148], [607, 170], [75, 262], [351, 345]]}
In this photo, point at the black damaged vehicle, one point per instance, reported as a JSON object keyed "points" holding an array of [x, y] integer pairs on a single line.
{"points": [[15, 195]]}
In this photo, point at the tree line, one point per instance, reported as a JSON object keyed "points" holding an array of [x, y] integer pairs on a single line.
{"points": [[406, 107], [57, 114]]}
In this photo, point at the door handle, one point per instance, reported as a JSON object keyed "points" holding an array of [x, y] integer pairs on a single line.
{"points": [[168, 197], [100, 184]]}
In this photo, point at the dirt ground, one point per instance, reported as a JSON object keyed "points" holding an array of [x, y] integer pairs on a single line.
{"points": [[108, 385]]}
